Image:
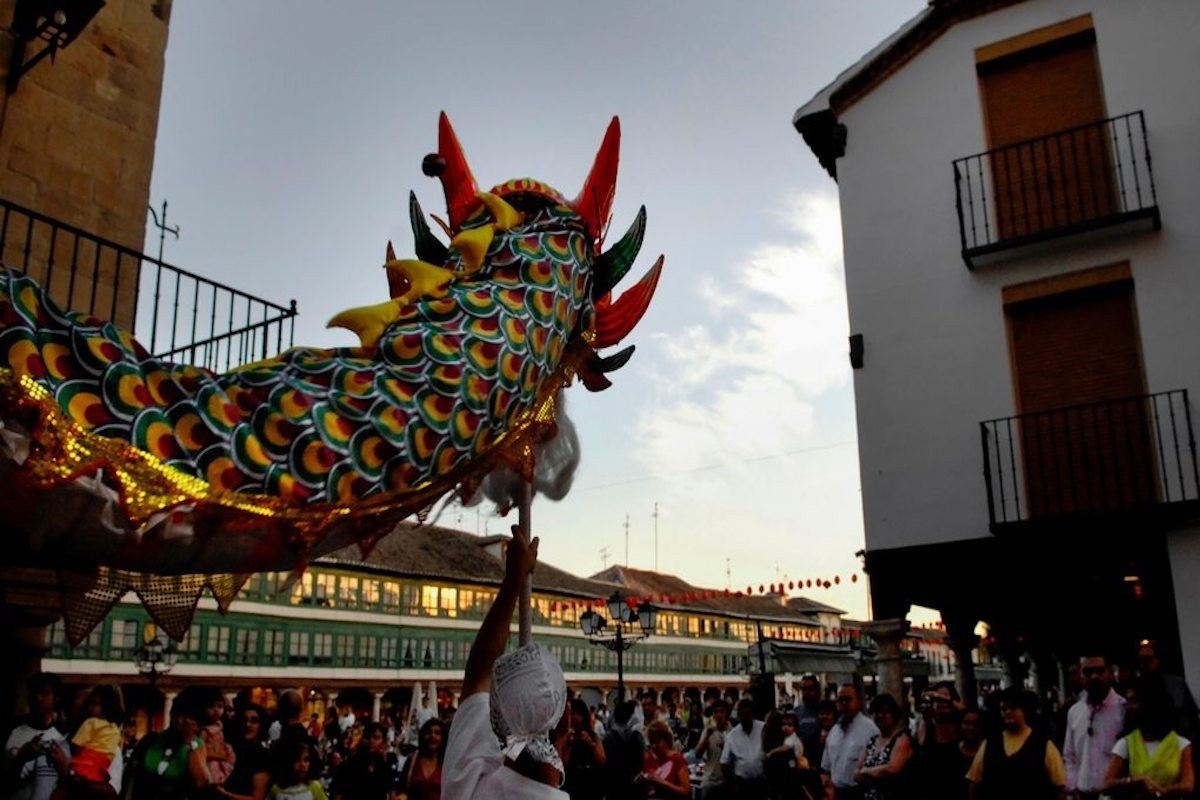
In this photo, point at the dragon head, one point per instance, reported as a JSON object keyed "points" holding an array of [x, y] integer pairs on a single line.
{"points": [[487, 230]]}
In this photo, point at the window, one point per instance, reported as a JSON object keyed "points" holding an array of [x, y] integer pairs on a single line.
{"points": [[302, 591], [245, 649], [410, 602], [391, 596], [387, 652], [273, 641], [368, 651], [348, 592], [324, 589], [344, 652], [189, 648], [218, 643], [322, 650], [448, 602], [370, 593], [124, 638], [429, 599], [298, 647]]}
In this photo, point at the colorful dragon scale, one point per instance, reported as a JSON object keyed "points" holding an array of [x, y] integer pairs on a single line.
{"points": [[289, 457]]}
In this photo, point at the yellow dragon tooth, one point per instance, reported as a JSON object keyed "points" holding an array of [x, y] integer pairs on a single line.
{"points": [[506, 217], [368, 322], [424, 280], [473, 245]]}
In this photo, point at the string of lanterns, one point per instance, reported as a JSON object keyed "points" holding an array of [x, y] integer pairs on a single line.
{"points": [[710, 594]]}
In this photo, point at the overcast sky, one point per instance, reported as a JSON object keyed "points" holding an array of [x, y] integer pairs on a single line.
{"points": [[292, 130]]}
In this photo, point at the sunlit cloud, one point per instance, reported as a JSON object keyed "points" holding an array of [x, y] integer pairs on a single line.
{"points": [[744, 381]]}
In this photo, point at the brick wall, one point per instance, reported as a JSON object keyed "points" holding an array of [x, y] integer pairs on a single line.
{"points": [[77, 137]]}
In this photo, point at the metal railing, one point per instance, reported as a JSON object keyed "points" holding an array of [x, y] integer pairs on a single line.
{"points": [[1128, 455], [177, 315], [1077, 179]]}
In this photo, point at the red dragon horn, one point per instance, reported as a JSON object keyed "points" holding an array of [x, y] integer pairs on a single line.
{"points": [[614, 320], [595, 200], [450, 165]]}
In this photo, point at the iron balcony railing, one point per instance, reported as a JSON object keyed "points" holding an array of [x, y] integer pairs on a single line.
{"points": [[1082, 178], [177, 315], [1131, 455]]}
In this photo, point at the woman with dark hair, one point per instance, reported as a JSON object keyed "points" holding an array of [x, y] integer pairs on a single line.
{"points": [[1153, 761], [171, 764], [251, 776], [423, 771], [583, 757], [884, 765], [368, 774]]}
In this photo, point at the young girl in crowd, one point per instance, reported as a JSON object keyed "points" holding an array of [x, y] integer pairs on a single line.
{"points": [[293, 783]]}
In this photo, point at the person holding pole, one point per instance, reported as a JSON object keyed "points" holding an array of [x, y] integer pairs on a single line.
{"points": [[524, 692]]}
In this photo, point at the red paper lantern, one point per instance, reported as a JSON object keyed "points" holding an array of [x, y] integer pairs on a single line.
{"points": [[791, 585], [854, 578], [739, 594], [810, 583], [827, 584], [837, 579], [760, 588]]}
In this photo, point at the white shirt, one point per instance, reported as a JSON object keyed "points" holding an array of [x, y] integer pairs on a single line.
{"points": [[474, 766], [1085, 755], [843, 748], [744, 751], [38, 776], [1121, 748]]}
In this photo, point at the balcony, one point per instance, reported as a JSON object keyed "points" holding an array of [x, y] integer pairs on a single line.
{"points": [[1128, 459], [178, 316], [1088, 178]]}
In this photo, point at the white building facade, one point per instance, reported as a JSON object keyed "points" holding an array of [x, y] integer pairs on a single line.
{"points": [[1019, 186]]}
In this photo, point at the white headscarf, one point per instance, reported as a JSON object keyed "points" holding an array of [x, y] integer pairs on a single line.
{"points": [[528, 697]]}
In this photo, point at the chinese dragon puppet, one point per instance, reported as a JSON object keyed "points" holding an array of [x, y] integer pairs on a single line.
{"points": [[165, 478]]}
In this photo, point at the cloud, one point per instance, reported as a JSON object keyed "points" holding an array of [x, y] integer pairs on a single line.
{"points": [[743, 382]]}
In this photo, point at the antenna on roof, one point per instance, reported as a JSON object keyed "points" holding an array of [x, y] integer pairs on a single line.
{"points": [[655, 515], [604, 557], [627, 540], [728, 574]]}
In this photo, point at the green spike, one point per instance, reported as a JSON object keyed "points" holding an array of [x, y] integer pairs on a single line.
{"points": [[429, 248], [612, 264]]}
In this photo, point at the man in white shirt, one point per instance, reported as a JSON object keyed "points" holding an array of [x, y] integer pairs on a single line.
{"points": [[525, 689], [742, 756], [1094, 724], [845, 744]]}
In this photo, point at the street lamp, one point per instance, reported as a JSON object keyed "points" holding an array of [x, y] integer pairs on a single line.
{"points": [[617, 640], [156, 656]]}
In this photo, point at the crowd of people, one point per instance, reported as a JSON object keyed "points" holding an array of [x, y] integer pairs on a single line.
{"points": [[519, 732]]}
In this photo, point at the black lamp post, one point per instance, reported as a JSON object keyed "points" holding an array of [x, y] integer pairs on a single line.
{"points": [[155, 657], [623, 615], [57, 23]]}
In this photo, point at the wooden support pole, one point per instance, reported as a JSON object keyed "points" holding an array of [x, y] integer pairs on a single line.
{"points": [[525, 624]]}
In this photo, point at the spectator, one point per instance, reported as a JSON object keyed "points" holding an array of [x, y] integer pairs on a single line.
{"points": [[171, 764], [1017, 762], [1094, 723], [709, 749], [884, 766], [527, 692], [939, 762], [422, 778], [97, 743], [1153, 761], [251, 775], [624, 747], [665, 771], [1177, 689], [845, 744], [809, 729], [783, 755], [293, 781], [220, 754], [583, 756], [826, 718], [289, 710], [368, 773], [35, 752], [742, 756]]}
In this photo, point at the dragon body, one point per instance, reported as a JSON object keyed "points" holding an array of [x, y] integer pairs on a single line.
{"points": [[265, 466]]}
